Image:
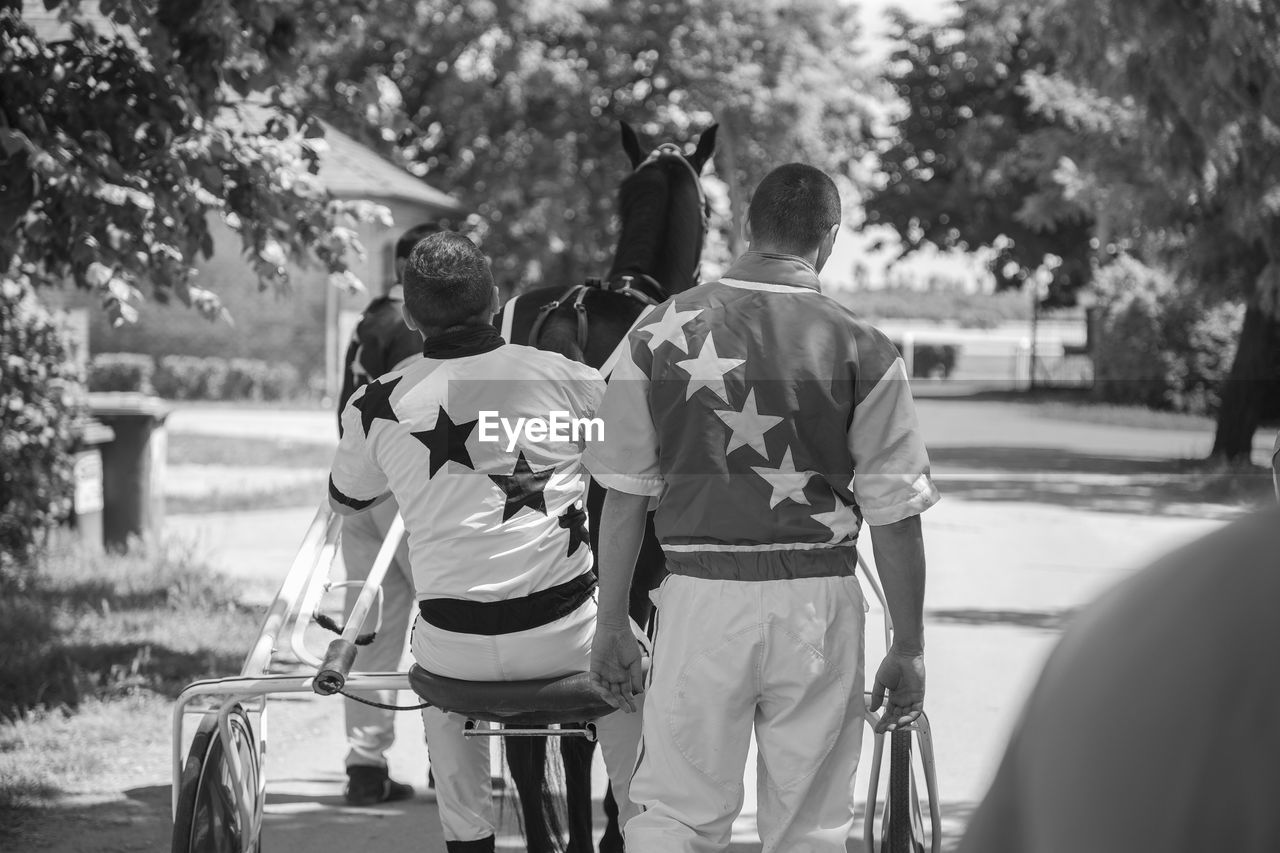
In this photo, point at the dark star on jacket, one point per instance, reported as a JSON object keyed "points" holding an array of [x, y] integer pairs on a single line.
{"points": [[376, 403], [447, 441], [574, 519], [524, 488]]}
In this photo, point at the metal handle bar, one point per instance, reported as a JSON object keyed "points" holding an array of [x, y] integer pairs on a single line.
{"points": [[342, 652]]}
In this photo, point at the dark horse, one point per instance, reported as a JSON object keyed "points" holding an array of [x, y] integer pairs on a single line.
{"points": [[663, 215]]}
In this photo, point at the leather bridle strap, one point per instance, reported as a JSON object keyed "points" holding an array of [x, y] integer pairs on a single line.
{"points": [[578, 294]]}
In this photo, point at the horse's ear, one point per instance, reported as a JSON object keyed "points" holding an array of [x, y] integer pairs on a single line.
{"points": [[631, 144], [706, 148]]}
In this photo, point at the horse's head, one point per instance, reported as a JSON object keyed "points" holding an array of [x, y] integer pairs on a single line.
{"points": [[664, 213]]}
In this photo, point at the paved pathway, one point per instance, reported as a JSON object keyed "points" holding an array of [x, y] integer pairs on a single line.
{"points": [[1038, 517], [1003, 578]]}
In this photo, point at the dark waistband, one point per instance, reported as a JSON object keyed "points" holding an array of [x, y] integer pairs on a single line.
{"points": [[784, 564], [491, 618]]}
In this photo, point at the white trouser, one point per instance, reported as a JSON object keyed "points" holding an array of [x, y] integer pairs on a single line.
{"points": [[371, 731], [558, 648], [784, 657]]}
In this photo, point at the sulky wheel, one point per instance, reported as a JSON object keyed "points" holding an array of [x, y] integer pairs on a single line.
{"points": [[904, 833], [215, 797]]}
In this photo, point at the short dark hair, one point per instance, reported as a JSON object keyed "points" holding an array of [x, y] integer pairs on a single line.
{"points": [[447, 282], [411, 238], [794, 207]]}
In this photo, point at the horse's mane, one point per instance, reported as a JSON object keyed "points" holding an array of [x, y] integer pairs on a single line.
{"points": [[661, 228], [660, 208], [642, 208]]}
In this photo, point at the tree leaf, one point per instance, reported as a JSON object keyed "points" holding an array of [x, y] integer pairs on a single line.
{"points": [[98, 274]]}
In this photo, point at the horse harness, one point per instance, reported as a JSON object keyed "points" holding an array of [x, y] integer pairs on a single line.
{"points": [[625, 284], [577, 295]]}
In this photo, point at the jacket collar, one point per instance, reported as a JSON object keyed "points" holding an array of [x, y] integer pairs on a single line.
{"points": [[771, 268]]}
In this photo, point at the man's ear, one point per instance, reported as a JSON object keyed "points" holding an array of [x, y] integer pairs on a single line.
{"points": [[408, 318], [631, 144], [746, 230], [706, 148], [830, 239], [826, 247], [495, 301]]}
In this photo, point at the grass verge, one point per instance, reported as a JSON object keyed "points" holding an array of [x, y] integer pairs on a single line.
{"points": [[95, 648], [308, 493], [192, 449], [1123, 416]]}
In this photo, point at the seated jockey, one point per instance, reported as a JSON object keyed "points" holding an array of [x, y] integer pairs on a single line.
{"points": [[473, 442]]}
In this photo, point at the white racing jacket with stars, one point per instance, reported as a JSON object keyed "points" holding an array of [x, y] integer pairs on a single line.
{"points": [[484, 522]]}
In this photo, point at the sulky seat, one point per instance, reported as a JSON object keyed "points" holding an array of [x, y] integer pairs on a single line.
{"points": [[541, 702]]}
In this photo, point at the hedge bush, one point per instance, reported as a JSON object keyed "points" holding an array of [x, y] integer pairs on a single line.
{"points": [[192, 377], [1160, 342], [122, 371], [41, 401], [254, 379], [189, 377]]}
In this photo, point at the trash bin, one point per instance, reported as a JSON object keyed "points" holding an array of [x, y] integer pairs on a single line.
{"points": [[87, 499], [132, 464]]}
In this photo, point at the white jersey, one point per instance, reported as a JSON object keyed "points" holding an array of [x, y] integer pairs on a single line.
{"points": [[484, 509]]}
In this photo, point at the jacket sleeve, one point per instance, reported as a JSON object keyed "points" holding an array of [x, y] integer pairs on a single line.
{"points": [[892, 478]]}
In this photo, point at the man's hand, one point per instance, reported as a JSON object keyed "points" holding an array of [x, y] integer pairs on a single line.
{"points": [[901, 675], [617, 666]]}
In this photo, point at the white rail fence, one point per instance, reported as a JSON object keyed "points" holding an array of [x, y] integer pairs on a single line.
{"points": [[1004, 357]]}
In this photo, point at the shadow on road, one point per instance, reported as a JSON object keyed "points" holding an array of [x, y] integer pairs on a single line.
{"points": [[318, 824], [1045, 620], [1101, 483]]}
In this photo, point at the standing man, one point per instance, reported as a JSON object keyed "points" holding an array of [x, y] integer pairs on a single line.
{"points": [[766, 421], [381, 343]]}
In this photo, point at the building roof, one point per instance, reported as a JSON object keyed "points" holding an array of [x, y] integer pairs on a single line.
{"points": [[351, 170], [348, 169]]}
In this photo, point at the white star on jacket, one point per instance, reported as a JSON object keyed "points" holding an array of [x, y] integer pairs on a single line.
{"points": [[671, 327], [842, 521], [708, 370], [747, 427], [786, 482]]}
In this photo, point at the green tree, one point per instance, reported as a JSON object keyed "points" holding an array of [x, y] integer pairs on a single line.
{"points": [[1079, 128], [39, 402], [517, 105], [1201, 77], [121, 135], [117, 147], [783, 81], [970, 161]]}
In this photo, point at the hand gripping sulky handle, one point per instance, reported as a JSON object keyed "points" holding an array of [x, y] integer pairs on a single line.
{"points": [[335, 667]]}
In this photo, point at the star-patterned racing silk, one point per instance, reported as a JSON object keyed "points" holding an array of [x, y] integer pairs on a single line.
{"points": [[767, 421], [484, 523]]}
